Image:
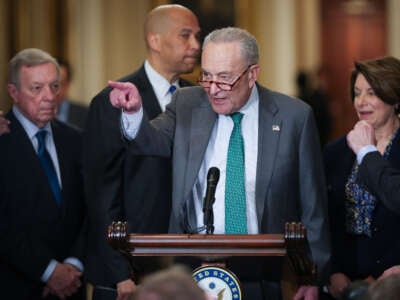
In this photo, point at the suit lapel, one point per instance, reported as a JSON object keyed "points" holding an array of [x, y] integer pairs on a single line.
{"points": [[62, 144], [150, 102], [270, 126], [24, 145], [202, 123]]}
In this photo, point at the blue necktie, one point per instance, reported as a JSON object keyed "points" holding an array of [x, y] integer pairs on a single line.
{"points": [[48, 166], [235, 192], [172, 89]]}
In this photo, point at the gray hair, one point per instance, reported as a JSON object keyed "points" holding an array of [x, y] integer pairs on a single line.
{"points": [[28, 57], [248, 43]]}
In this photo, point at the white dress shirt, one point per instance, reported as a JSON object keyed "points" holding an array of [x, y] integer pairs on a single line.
{"points": [[160, 85], [216, 156], [31, 130]]}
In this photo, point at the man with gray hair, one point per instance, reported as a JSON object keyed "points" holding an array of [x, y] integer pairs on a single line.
{"points": [[41, 188], [264, 143]]}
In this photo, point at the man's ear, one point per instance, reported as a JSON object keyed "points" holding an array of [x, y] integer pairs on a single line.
{"points": [[13, 91], [154, 41], [253, 74]]}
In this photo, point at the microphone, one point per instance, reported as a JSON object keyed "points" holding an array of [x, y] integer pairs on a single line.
{"points": [[212, 180]]}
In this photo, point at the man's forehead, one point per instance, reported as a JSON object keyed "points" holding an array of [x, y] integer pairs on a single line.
{"points": [[44, 70], [214, 59]]}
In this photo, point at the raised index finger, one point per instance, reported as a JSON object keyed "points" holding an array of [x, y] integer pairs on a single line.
{"points": [[120, 85]]}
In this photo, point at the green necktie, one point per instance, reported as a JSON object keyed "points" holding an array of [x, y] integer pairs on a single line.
{"points": [[235, 192]]}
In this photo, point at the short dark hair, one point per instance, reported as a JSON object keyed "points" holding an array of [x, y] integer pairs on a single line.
{"points": [[383, 75]]}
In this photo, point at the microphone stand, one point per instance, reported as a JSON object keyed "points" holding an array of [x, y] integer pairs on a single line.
{"points": [[209, 219]]}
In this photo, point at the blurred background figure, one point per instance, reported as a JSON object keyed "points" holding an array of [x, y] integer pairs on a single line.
{"points": [[175, 283], [385, 289], [356, 290], [4, 123], [314, 92], [303, 83], [364, 220], [69, 111]]}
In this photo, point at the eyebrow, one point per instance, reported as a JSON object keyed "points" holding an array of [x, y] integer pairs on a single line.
{"points": [[218, 74]]}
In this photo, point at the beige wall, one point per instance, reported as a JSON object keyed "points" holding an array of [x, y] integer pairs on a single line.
{"points": [[105, 42]]}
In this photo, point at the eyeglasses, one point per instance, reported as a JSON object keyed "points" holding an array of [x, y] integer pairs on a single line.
{"points": [[226, 86]]}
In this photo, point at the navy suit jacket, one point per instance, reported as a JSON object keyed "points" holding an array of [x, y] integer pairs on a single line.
{"points": [[77, 114], [360, 256], [136, 189], [33, 228]]}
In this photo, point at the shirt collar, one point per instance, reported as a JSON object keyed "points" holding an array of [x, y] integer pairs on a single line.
{"points": [[158, 82], [252, 104], [30, 128]]}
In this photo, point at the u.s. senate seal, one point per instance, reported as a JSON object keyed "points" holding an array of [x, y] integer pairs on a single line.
{"points": [[220, 283]]}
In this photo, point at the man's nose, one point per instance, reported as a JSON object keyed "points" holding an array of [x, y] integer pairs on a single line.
{"points": [[214, 88], [49, 93], [194, 43]]}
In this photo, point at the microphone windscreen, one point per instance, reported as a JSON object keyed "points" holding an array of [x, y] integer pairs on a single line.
{"points": [[213, 174]]}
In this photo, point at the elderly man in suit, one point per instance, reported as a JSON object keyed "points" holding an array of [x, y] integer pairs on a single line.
{"points": [[41, 188], [264, 143], [136, 189]]}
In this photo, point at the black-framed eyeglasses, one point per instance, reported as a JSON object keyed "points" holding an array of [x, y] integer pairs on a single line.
{"points": [[226, 86]]}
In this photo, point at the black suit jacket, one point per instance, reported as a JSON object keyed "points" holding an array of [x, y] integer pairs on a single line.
{"points": [[33, 229], [77, 114], [136, 189], [382, 178], [360, 256]]}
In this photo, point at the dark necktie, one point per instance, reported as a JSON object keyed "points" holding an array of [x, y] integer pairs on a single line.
{"points": [[172, 89], [235, 192], [48, 166]]}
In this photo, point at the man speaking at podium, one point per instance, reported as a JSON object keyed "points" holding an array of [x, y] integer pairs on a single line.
{"points": [[264, 143]]}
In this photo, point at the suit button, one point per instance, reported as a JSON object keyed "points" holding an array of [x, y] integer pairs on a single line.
{"points": [[378, 261]]}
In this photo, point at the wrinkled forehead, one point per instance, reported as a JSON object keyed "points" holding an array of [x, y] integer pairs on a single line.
{"points": [[42, 72], [222, 57]]}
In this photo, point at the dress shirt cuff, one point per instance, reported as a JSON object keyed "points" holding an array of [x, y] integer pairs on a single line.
{"points": [[49, 270], [130, 123], [364, 151], [75, 262]]}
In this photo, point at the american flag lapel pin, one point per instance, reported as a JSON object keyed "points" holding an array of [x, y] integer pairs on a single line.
{"points": [[276, 128]]}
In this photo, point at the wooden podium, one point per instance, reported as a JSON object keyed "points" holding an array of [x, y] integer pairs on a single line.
{"points": [[297, 266]]}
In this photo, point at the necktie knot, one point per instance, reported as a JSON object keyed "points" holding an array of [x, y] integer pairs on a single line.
{"points": [[237, 118], [172, 89]]}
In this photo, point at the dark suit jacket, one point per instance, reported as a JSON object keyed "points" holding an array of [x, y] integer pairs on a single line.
{"points": [[287, 157], [33, 229], [77, 114], [360, 256], [382, 179], [136, 189]]}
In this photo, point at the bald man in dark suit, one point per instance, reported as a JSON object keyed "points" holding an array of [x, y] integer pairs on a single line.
{"points": [[136, 189]]}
